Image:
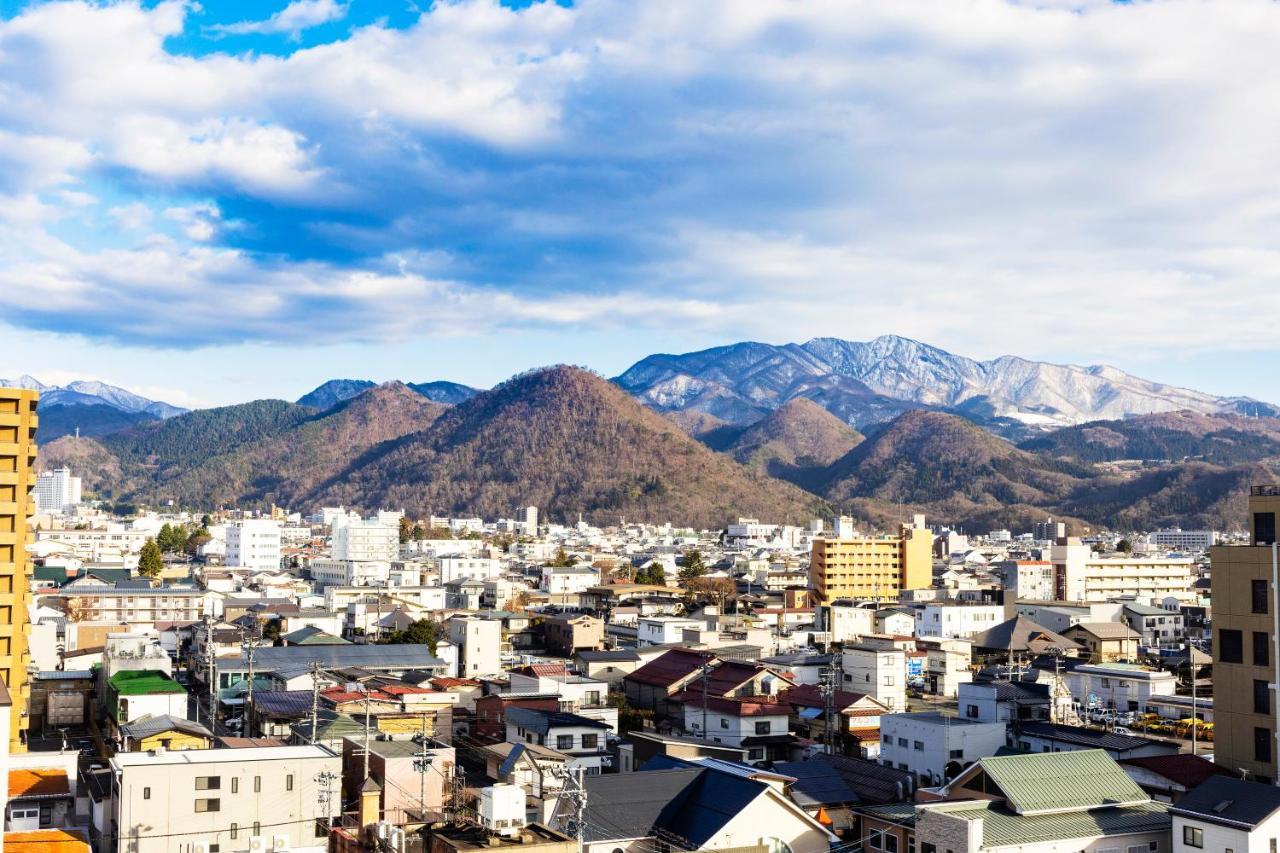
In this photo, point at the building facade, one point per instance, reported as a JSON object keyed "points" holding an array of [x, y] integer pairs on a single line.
{"points": [[18, 423], [872, 568], [254, 543]]}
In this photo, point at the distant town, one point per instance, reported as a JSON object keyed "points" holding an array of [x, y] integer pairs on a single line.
{"points": [[227, 679]]}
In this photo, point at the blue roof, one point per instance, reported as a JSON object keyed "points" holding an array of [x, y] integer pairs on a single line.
{"points": [[818, 783]]}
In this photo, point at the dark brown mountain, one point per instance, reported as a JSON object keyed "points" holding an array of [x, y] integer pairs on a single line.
{"points": [[1222, 439], [97, 467], [569, 442], [796, 442]]}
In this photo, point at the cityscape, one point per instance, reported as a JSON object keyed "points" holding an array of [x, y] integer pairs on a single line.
{"points": [[588, 426]]}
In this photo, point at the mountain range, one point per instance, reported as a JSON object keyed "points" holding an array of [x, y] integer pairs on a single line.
{"points": [[874, 430]]}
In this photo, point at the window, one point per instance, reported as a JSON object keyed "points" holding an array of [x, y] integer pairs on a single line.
{"points": [[203, 806], [887, 739], [763, 728], [902, 742], [890, 843], [235, 831], [1193, 836], [208, 783], [918, 745], [1264, 528], [235, 784], [724, 722], [1262, 744], [1261, 697], [257, 786], [1142, 848], [926, 847], [1258, 596], [288, 782], [971, 710], [564, 741], [1261, 648], [146, 793], [1230, 646], [590, 741], [214, 848], [257, 828], [755, 754], [957, 753], [875, 839]]}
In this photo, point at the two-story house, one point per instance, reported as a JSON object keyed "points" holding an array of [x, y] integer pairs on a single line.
{"points": [[581, 738]]}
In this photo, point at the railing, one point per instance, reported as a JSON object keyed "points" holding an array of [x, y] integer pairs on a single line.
{"points": [[1265, 491]]}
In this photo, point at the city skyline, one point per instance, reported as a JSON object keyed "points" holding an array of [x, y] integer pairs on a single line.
{"points": [[467, 190]]}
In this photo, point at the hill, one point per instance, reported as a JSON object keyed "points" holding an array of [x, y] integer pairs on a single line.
{"points": [[797, 442], [97, 467], [92, 420], [569, 442], [329, 394], [449, 393], [1223, 439]]}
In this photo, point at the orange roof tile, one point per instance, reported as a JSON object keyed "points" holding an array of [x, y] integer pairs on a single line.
{"points": [[38, 782], [45, 841]]}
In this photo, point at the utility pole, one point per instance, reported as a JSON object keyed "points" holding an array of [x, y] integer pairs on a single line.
{"points": [[211, 672], [365, 688], [830, 687], [315, 699], [325, 779], [250, 646], [422, 764], [706, 672]]}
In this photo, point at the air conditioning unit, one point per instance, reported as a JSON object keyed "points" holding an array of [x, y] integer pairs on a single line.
{"points": [[279, 842], [257, 844]]}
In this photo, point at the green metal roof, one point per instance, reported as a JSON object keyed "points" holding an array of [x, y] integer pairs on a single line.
{"points": [[144, 682], [1057, 781], [1002, 828]]}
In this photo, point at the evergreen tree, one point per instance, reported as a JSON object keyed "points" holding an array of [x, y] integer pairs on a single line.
{"points": [[692, 567], [422, 632], [150, 560]]}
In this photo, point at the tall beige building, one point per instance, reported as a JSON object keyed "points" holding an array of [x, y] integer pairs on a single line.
{"points": [[1244, 644], [17, 478], [872, 567]]}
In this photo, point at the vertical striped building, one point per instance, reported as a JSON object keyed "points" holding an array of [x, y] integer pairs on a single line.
{"points": [[17, 478]]}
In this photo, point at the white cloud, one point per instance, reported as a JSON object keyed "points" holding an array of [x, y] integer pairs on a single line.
{"points": [[291, 20]]}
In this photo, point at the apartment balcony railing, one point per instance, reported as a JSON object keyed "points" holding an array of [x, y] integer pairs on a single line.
{"points": [[1272, 491]]}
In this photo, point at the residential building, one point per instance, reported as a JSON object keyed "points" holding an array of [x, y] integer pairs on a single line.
{"points": [[872, 568], [1028, 580], [845, 620], [18, 423], [405, 792], [1056, 737], [878, 671], [254, 543], [1119, 686], [1226, 813], [947, 665], [327, 572], [1169, 778], [133, 605], [479, 642], [951, 619], [1048, 803], [454, 567], [364, 540], [574, 735], [566, 635], [1244, 648], [163, 732], [756, 723], [660, 630], [936, 747], [1082, 575], [1105, 642], [1183, 540], [255, 798], [1159, 627], [610, 666], [56, 491]]}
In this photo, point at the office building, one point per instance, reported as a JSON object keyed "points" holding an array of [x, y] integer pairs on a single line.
{"points": [[57, 491], [361, 540], [874, 568], [1244, 644], [254, 543], [1183, 540], [18, 423], [1079, 575]]}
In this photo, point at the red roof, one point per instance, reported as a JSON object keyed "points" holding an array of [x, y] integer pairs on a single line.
{"points": [[747, 707], [1184, 769], [450, 683], [810, 696], [670, 668], [403, 689], [38, 782]]}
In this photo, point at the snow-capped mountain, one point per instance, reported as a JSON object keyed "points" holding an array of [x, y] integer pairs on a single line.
{"points": [[94, 393], [868, 382]]}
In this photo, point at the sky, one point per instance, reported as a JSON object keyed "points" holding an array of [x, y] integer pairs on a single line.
{"points": [[213, 202]]}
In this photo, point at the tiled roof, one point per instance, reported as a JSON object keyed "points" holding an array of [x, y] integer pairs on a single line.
{"points": [[543, 721], [1107, 630], [817, 784], [46, 841], [810, 696], [38, 782], [669, 668]]}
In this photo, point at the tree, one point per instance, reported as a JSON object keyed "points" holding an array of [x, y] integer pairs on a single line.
{"points": [[629, 719], [1124, 546], [205, 521], [197, 538], [563, 560], [711, 589], [406, 530], [150, 560], [692, 566], [421, 632], [418, 533], [654, 574]]}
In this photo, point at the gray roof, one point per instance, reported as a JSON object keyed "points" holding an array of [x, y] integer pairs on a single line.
{"points": [[1231, 801], [817, 784], [1088, 737], [543, 721], [147, 726], [400, 656], [612, 656], [282, 703]]}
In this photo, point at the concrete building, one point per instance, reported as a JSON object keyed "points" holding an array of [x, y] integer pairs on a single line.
{"points": [[1224, 813], [454, 567], [256, 798], [254, 543], [1182, 540], [327, 572], [936, 747], [956, 620], [1121, 686], [479, 643], [872, 568], [878, 671], [57, 491], [1244, 645], [565, 635], [1081, 575], [18, 423], [362, 539], [660, 630]]}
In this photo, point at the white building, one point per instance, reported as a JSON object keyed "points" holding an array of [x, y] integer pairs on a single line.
{"points": [[879, 672], [1225, 813], [1178, 539], [373, 539], [527, 520], [1122, 686], [1080, 575], [936, 747], [265, 798], [56, 491], [479, 643], [1028, 579], [953, 620], [657, 630], [731, 721], [254, 543], [563, 581], [846, 622], [454, 567], [328, 572]]}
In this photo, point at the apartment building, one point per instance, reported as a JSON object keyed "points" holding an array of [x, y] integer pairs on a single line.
{"points": [[953, 620], [454, 567], [57, 491], [363, 539], [936, 747], [872, 568], [480, 645], [1244, 645], [107, 544], [878, 671], [18, 423], [254, 543], [271, 798], [1081, 575], [134, 606]]}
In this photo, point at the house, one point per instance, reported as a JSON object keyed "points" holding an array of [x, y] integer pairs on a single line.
{"points": [[1018, 638], [947, 665], [136, 693], [607, 666], [660, 630], [819, 789], [1168, 778], [1158, 627], [583, 739], [936, 747], [859, 713], [1065, 801], [887, 827], [1052, 737], [404, 791], [1119, 686], [998, 700], [539, 770], [164, 732], [695, 808], [760, 724], [873, 782], [653, 685], [39, 798], [1225, 813], [565, 635], [878, 671], [489, 722], [1105, 642]]}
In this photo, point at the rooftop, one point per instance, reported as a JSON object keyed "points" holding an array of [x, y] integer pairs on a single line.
{"points": [[1231, 801], [38, 782], [221, 756], [144, 682], [1001, 827]]}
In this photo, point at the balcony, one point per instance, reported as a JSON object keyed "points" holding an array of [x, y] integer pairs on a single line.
{"points": [[1272, 491]]}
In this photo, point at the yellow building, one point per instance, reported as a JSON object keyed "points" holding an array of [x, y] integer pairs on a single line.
{"points": [[872, 567], [17, 477], [171, 733], [1244, 644]]}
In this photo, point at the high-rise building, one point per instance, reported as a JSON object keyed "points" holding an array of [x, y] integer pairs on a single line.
{"points": [[872, 567], [1245, 653], [57, 491], [17, 478], [254, 543]]}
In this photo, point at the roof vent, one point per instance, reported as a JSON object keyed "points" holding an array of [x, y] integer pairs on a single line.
{"points": [[1222, 807]]}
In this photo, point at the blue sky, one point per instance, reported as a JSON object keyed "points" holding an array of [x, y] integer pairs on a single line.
{"points": [[215, 201]]}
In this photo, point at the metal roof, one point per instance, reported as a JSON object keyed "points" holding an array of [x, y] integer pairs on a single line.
{"points": [[543, 721], [395, 656], [147, 726], [1001, 827], [817, 784], [1052, 781], [1093, 738], [1231, 801]]}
